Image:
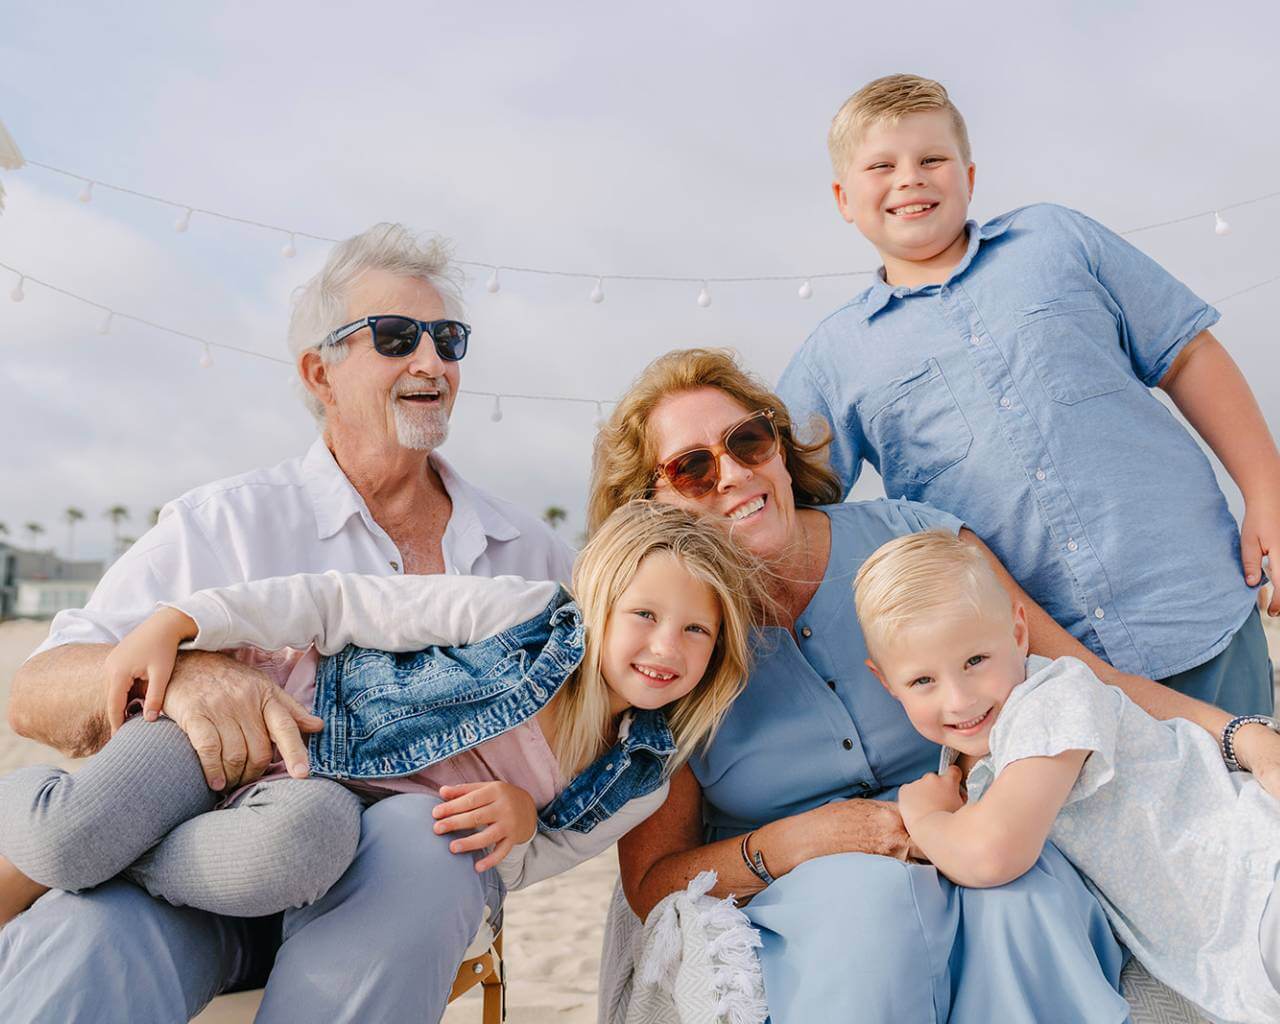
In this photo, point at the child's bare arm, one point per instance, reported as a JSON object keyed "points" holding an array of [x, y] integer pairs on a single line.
{"points": [[997, 839], [1210, 391]]}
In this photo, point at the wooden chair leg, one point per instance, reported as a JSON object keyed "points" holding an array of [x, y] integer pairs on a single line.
{"points": [[495, 989]]}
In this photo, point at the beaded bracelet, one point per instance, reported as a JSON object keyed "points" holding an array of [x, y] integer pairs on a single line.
{"points": [[1229, 737], [755, 861]]}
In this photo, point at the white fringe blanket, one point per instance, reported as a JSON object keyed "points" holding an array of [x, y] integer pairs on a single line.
{"points": [[693, 962]]}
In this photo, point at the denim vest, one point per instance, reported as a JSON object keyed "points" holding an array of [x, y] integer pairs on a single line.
{"points": [[388, 715]]}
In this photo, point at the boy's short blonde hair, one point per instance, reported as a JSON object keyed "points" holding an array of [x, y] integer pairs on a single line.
{"points": [[917, 578], [889, 99]]}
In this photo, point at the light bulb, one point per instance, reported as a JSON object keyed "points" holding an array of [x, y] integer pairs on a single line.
{"points": [[105, 326], [806, 291], [597, 293], [1220, 226], [496, 414], [290, 248], [493, 284], [18, 294], [182, 223], [86, 193], [704, 296], [206, 358]]}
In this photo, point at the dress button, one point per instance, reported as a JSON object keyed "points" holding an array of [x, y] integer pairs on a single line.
{"points": [[1040, 474], [394, 565], [1098, 613], [974, 340], [847, 744], [831, 683], [1071, 544], [806, 632], [1005, 403]]}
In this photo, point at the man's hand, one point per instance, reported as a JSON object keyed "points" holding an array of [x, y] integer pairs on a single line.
{"points": [[1259, 537], [502, 815], [232, 714], [929, 794], [142, 663]]}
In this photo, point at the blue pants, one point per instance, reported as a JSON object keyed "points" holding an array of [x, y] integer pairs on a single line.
{"points": [[858, 937], [1237, 679], [382, 945]]}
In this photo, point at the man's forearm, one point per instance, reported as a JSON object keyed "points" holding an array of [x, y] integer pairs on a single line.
{"points": [[57, 699]]}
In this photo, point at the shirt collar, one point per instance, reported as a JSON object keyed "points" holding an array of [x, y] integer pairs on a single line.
{"points": [[878, 295], [475, 519]]}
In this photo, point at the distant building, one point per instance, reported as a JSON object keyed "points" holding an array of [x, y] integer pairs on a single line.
{"points": [[39, 584]]}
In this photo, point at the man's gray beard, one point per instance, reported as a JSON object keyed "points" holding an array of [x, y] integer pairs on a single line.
{"points": [[421, 433]]}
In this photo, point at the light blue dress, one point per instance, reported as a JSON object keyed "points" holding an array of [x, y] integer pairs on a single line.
{"points": [[866, 938]]}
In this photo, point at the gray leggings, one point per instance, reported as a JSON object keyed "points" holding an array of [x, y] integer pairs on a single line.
{"points": [[140, 807]]}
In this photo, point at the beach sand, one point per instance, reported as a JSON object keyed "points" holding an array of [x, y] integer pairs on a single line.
{"points": [[552, 933]]}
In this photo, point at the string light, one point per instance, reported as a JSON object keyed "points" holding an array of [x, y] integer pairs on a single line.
{"points": [[182, 223], [493, 284], [86, 193], [290, 248], [18, 294], [806, 290], [206, 357], [105, 326], [597, 293], [600, 418], [704, 296], [496, 414], [1220, 226]]}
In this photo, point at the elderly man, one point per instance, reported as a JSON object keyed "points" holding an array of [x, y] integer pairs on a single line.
{"points": [[377, 340]]}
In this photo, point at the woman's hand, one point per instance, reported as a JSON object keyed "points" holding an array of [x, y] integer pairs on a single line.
{"points": [[1257, 749], [929, 794], [501, 814], [842, 826], [145, 657]]}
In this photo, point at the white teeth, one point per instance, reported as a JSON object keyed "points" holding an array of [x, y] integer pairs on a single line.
{"points": [[969, 724], [742, 511], [660, 676], [914, 208]]}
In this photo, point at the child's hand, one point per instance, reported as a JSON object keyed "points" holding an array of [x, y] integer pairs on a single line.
{"points": [[930, 793], [145, 656], [502, 815], [1258, 750], [1259, 536]]}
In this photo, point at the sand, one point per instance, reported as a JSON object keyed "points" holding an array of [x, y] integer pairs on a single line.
{"points": [[552, 932]]}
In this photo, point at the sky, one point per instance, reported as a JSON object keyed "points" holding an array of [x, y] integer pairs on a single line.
{"points": [[664, 139]]}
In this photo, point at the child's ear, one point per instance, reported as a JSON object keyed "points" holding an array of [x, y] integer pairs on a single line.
{"points": [[972, 169], [1021, 634], [875, 671], [842, 201]]}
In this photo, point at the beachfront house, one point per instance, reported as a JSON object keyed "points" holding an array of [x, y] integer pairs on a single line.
{"points": [[39, 584]]}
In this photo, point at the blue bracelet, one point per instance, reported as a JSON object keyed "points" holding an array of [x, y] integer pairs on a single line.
{"points": [[755, 861], [1229, 737]]}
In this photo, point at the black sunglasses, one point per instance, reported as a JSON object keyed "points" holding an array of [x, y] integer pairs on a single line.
{"points": [[398, 336]]}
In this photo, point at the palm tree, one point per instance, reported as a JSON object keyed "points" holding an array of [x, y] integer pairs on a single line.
{"points": [[72, 515], [33, 531], [117, 514], [4, 529], [155, 515], [554, 515]]}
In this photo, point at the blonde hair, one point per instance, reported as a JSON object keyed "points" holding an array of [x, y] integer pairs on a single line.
{"points": [[604, 569], [917, 577], [889, 99], [625, 460]]}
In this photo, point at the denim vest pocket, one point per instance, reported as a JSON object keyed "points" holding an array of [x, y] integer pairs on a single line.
{"points": [[1074, 344], [916, 426]]}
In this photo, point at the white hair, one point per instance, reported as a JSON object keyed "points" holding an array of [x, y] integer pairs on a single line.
{"points": [[320, 305]]}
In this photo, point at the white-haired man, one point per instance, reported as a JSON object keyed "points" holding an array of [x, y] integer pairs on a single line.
{"points": [[377, 337]]}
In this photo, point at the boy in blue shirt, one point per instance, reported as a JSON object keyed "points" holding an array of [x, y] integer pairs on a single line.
{"points": [[1003, 372]]}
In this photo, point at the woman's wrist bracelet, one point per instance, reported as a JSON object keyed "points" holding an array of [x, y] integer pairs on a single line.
{"points": [[1229, 737], [755, 861]]}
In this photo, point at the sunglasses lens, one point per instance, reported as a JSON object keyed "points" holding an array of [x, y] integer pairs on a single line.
{"points": [[693, 474], [451, 339], [753, 442], [395, 336]]}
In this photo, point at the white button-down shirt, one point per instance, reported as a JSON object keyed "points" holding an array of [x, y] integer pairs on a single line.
{"points": [[302, 515]]}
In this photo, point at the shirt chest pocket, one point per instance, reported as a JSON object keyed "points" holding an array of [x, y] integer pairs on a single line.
{"points": [[1074, 345], [917, 428]]}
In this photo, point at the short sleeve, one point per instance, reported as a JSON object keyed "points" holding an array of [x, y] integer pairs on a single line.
{"points": [[917, 516], [170, 561], [807, 403], [1160, 314], [1061, 707]]}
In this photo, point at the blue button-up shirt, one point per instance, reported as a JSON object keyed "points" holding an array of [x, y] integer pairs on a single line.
{"points": [[1017, 396]]}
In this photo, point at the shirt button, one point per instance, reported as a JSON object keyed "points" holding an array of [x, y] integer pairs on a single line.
{"points": [[1098, 613], [806, 632], [1040, 474], [831, 683], [1005, 403], [847, 744], [609, 767], [1071, 544], [974, 340]]}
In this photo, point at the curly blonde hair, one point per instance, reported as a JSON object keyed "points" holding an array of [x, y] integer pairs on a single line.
{"points": [[624, 461]]}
